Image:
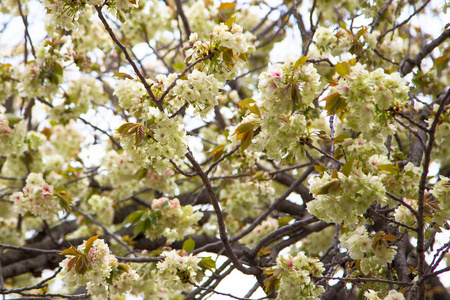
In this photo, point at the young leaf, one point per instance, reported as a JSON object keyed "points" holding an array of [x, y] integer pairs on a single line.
{"points": [[123, 76], [70, 251], [334, 103], [72, 262], [388, 168], [342, 68], [246, 140], [347, 167], [217, 152], [82, 264], [361, 32], [90, 243], [12, 119], [207, 263], [134, 217], [244, 127], [329, 187], [230, 22], [189, 245], [227, 6], [300, 62], [140, 134], [440, 60]]}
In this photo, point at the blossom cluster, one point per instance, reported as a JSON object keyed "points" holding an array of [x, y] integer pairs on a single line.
{"points": [[166, 140], [37, 198], [228, 45], [177, 270], [441, 191], [260, 231], [102, 207], [295, 277], [373, 253], [42, 76], [9, 233], [67, 139], [12, 138], [243, 198], [393, 295], [149, 20], [367, 96], [343, 198], [404, 215], [130, 93], [149, 286], [65, 13], [79, 96], [286, 92], [173, 220], [199, 90], [334, 44], [100, 271], [201, 16]]}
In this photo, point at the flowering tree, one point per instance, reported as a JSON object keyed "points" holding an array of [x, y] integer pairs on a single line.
{"points": [[153, 147]]}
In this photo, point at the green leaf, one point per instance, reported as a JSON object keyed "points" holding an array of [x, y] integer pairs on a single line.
{"points": [[440, 60], [134, 217], [141, 173], [300, 62], [347, 167], [244, 127], [207, 263], [340, 138], [139, 227], [272, 283], [389, 168], [123, 76], [189, 245], [263, 252], [165, 204], [230, 22], [227, 6], [58, 70], [283, 221], [329, 187], [361, 32], [320, 168], [125, 128], [228, 58], [153, 218], [246, 101], [334, 103], [342, 68], [12, 119], [254, 109], [70, 251], [65, 200]]}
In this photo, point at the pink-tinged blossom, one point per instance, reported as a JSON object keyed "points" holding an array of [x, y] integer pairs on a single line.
{"points": [[37, 198]]}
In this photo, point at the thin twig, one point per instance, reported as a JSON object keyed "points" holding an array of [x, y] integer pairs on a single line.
{"points": [[128, 57]]}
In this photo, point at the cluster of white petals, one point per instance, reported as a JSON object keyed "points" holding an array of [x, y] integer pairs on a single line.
{"points": [[295, 277], [103, 275], [177, 270], [37, 198]]}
